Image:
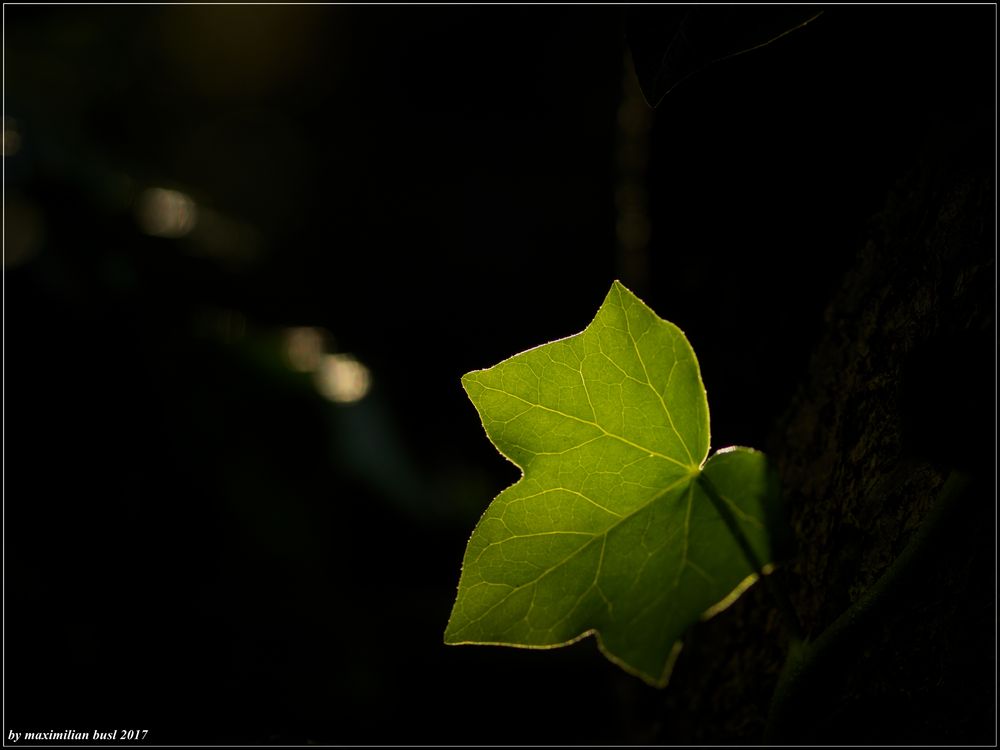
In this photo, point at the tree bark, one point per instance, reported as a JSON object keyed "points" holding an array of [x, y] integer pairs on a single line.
{"points": [[897, 397]]}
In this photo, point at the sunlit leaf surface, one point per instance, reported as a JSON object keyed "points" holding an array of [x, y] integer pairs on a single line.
{"points": [[608, 532]]}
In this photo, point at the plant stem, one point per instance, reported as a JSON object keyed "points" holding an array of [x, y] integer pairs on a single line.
{"points": [[806, 663]]}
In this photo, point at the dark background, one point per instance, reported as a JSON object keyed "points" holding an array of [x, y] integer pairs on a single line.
{"points": [[196, 542]]}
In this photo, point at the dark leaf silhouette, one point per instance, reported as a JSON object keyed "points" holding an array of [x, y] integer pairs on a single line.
{"points": [[671, 43]]}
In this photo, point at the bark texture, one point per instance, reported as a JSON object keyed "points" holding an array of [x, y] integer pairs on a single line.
{"points": [[900, 392]]}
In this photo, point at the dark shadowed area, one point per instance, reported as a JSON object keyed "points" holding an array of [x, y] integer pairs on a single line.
{"points": [[249, 251]]}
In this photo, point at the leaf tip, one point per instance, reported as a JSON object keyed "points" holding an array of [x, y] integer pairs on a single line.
{"points": [[648, 674], [450, 631], [469, 379], [617, 287]]}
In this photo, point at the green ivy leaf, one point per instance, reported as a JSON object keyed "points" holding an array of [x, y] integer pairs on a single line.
{"points": [[610, 531]]}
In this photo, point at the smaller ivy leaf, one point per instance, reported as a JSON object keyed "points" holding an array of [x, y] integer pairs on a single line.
{"points": [[671, 43], [610, 530]]}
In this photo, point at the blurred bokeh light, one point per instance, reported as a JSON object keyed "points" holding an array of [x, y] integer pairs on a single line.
{"points": [[166, 213]]}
